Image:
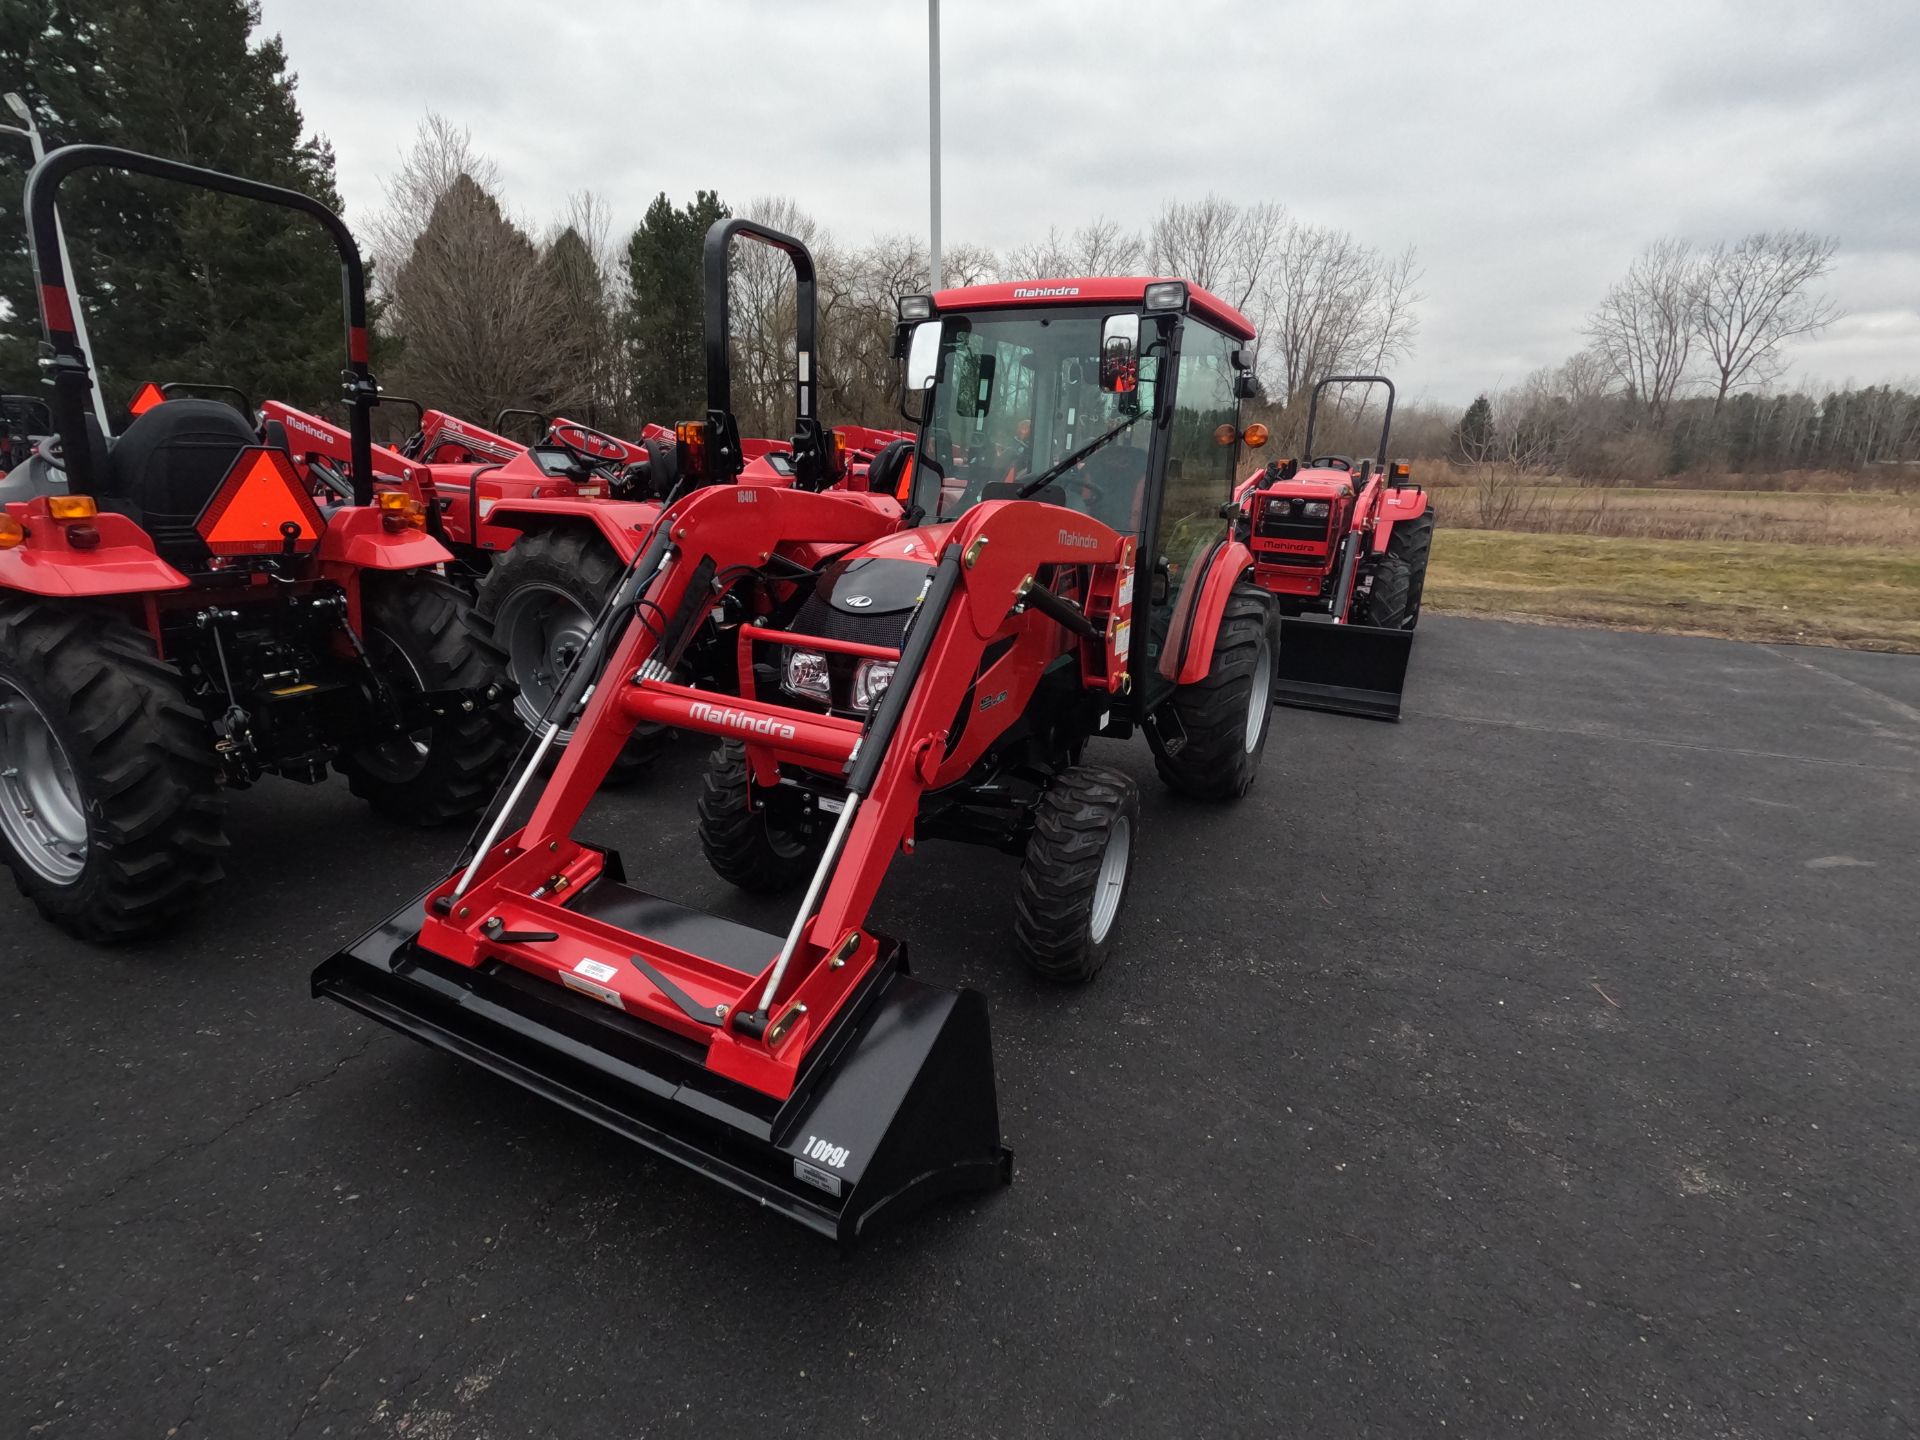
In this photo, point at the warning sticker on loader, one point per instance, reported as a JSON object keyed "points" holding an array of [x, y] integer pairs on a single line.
{"points": [[585, 978], [819, 1179]]}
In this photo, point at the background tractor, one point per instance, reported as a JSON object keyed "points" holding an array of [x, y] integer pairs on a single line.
{"points": [[182, 612], [1342, 547]]}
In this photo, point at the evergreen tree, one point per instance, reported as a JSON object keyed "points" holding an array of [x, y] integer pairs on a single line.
{"points": [[583, 383], [179, 284], [663, 321], [1473, 436]]}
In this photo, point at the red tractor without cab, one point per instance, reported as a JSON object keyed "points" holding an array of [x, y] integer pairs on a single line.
{"points": [[180, 613], [1066, 570], [1343, 550]]}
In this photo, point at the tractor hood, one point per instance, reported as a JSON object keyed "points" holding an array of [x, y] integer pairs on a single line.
{"points": [[884, 577]]}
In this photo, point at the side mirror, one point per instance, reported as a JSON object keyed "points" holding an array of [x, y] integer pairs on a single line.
{"points": [[923, 355], [1120, 354]]}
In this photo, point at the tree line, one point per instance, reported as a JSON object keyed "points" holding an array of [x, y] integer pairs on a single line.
{"points": [[1682, 372]]}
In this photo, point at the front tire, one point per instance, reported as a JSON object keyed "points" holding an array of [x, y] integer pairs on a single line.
{"points": [[534, 610], [1389, 601], [1412, 541], [417, 634], [748, 841], [110, 811], [1219, 723], [1074, 878]]}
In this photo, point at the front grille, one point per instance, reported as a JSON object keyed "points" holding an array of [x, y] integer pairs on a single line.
{"points": [[817, 617], [1290, 529]]}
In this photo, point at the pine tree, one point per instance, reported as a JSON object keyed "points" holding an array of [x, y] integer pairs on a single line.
{"points": [[179, 284], [1473, 436], [663, 322]]}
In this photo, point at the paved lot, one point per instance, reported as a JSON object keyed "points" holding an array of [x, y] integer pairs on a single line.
{"points": [[1547, 1064]]}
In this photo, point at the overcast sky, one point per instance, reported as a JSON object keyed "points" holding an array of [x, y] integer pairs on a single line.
{"points": [[1527, 149]]}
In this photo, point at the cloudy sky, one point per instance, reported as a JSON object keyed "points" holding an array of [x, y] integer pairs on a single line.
{"points": [[1527, 149]]}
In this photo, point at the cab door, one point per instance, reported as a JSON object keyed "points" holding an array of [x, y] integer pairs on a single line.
{"points": [[1202, 451]]}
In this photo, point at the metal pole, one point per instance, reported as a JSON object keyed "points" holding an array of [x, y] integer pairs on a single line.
{"points": [[933, 126], [32, 132]]}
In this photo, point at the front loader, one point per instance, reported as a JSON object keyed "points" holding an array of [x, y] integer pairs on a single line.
{"points": [[1343, 550], [1066, 571]]}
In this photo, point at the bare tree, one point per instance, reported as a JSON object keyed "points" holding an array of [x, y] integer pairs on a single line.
{"points": [[1647, 324], [1752, 299], [1327, 304], [1098, 248], [1198, 240], [442, 153]]}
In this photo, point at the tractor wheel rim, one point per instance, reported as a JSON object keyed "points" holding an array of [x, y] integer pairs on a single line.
{"points": [[544, 628], [402, 758], [1111, 883], [1259, 697], [41, 812]]}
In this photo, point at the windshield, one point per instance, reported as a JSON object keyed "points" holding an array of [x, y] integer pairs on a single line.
{"points": [[1018, 392]]}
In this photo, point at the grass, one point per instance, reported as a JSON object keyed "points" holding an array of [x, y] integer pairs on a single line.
{"points": [[1819, 594], [1874, 519]]}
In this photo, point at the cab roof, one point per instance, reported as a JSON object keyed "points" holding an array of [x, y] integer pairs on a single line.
{"points": [[1093, 290]]}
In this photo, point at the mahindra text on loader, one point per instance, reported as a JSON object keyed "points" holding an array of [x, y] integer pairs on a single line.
{"points": [[178, 616], [1065, 569]]}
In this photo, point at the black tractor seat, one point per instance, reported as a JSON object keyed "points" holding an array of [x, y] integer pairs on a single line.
{"points": [[167, 465]]}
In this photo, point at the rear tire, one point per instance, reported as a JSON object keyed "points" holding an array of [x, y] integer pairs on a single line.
{"points": [[417, 634], [1224, 716], [1388, 602], [533, 611], [110, 810], [1412, 541], [746, 841], [1073, 881]]}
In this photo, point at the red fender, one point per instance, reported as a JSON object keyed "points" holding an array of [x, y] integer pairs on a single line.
{"points": [[123, 563], [357, 538], [623, 523], [1406, 503], [1196, 618]]}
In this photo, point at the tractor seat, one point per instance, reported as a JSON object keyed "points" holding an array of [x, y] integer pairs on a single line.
{"points": [[167, 465]]}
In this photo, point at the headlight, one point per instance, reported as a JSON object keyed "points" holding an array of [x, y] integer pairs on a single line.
{"points": [[1277, 507], [870, 682], [807, 676], [1316, 510]]}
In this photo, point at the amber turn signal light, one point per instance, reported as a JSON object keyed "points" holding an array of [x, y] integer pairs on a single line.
{"points": [[1255, 435], [72, 507], [12, 532]]}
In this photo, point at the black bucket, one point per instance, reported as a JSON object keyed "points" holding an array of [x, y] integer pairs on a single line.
{"points": [[1348, 669], [894, 1107]]}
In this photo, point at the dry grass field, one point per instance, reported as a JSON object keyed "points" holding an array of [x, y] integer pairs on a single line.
{"points": [[1815, 566]]}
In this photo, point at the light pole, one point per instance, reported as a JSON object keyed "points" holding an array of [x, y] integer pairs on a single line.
{"points": [[933, 127], [31, 131]]}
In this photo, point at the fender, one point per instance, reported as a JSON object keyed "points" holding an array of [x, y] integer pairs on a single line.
{"points": [[1194, 643], [124, 562], [1406, 503], [357, 538], [622, 523]]}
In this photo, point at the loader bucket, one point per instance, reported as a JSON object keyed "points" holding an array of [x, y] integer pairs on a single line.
{"points": [[895, 1106], [1348, 669]]}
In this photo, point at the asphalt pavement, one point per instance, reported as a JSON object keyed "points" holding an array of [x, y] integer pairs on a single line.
{"points": [[1546, 1064]]}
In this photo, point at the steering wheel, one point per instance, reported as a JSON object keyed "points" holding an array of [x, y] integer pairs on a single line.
{"points": [[1331, 462], [589, 446]]}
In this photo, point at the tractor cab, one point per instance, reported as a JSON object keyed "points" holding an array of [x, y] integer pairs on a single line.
{"points": [[1116, 399]]}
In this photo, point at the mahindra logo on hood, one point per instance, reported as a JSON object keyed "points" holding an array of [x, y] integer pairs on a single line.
{"points": [[739, 720], [1044, 292]]}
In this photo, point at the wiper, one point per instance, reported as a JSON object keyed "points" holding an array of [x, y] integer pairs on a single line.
{"points": [[1055, 471]]}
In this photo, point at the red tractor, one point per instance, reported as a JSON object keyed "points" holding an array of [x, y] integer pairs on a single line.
{"points": [[1065, 570], [1343, 550], [180, 614]]}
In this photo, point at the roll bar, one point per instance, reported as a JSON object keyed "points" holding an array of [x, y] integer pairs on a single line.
{"points": [[1386, 423], [72, 376], [809, 440]]}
